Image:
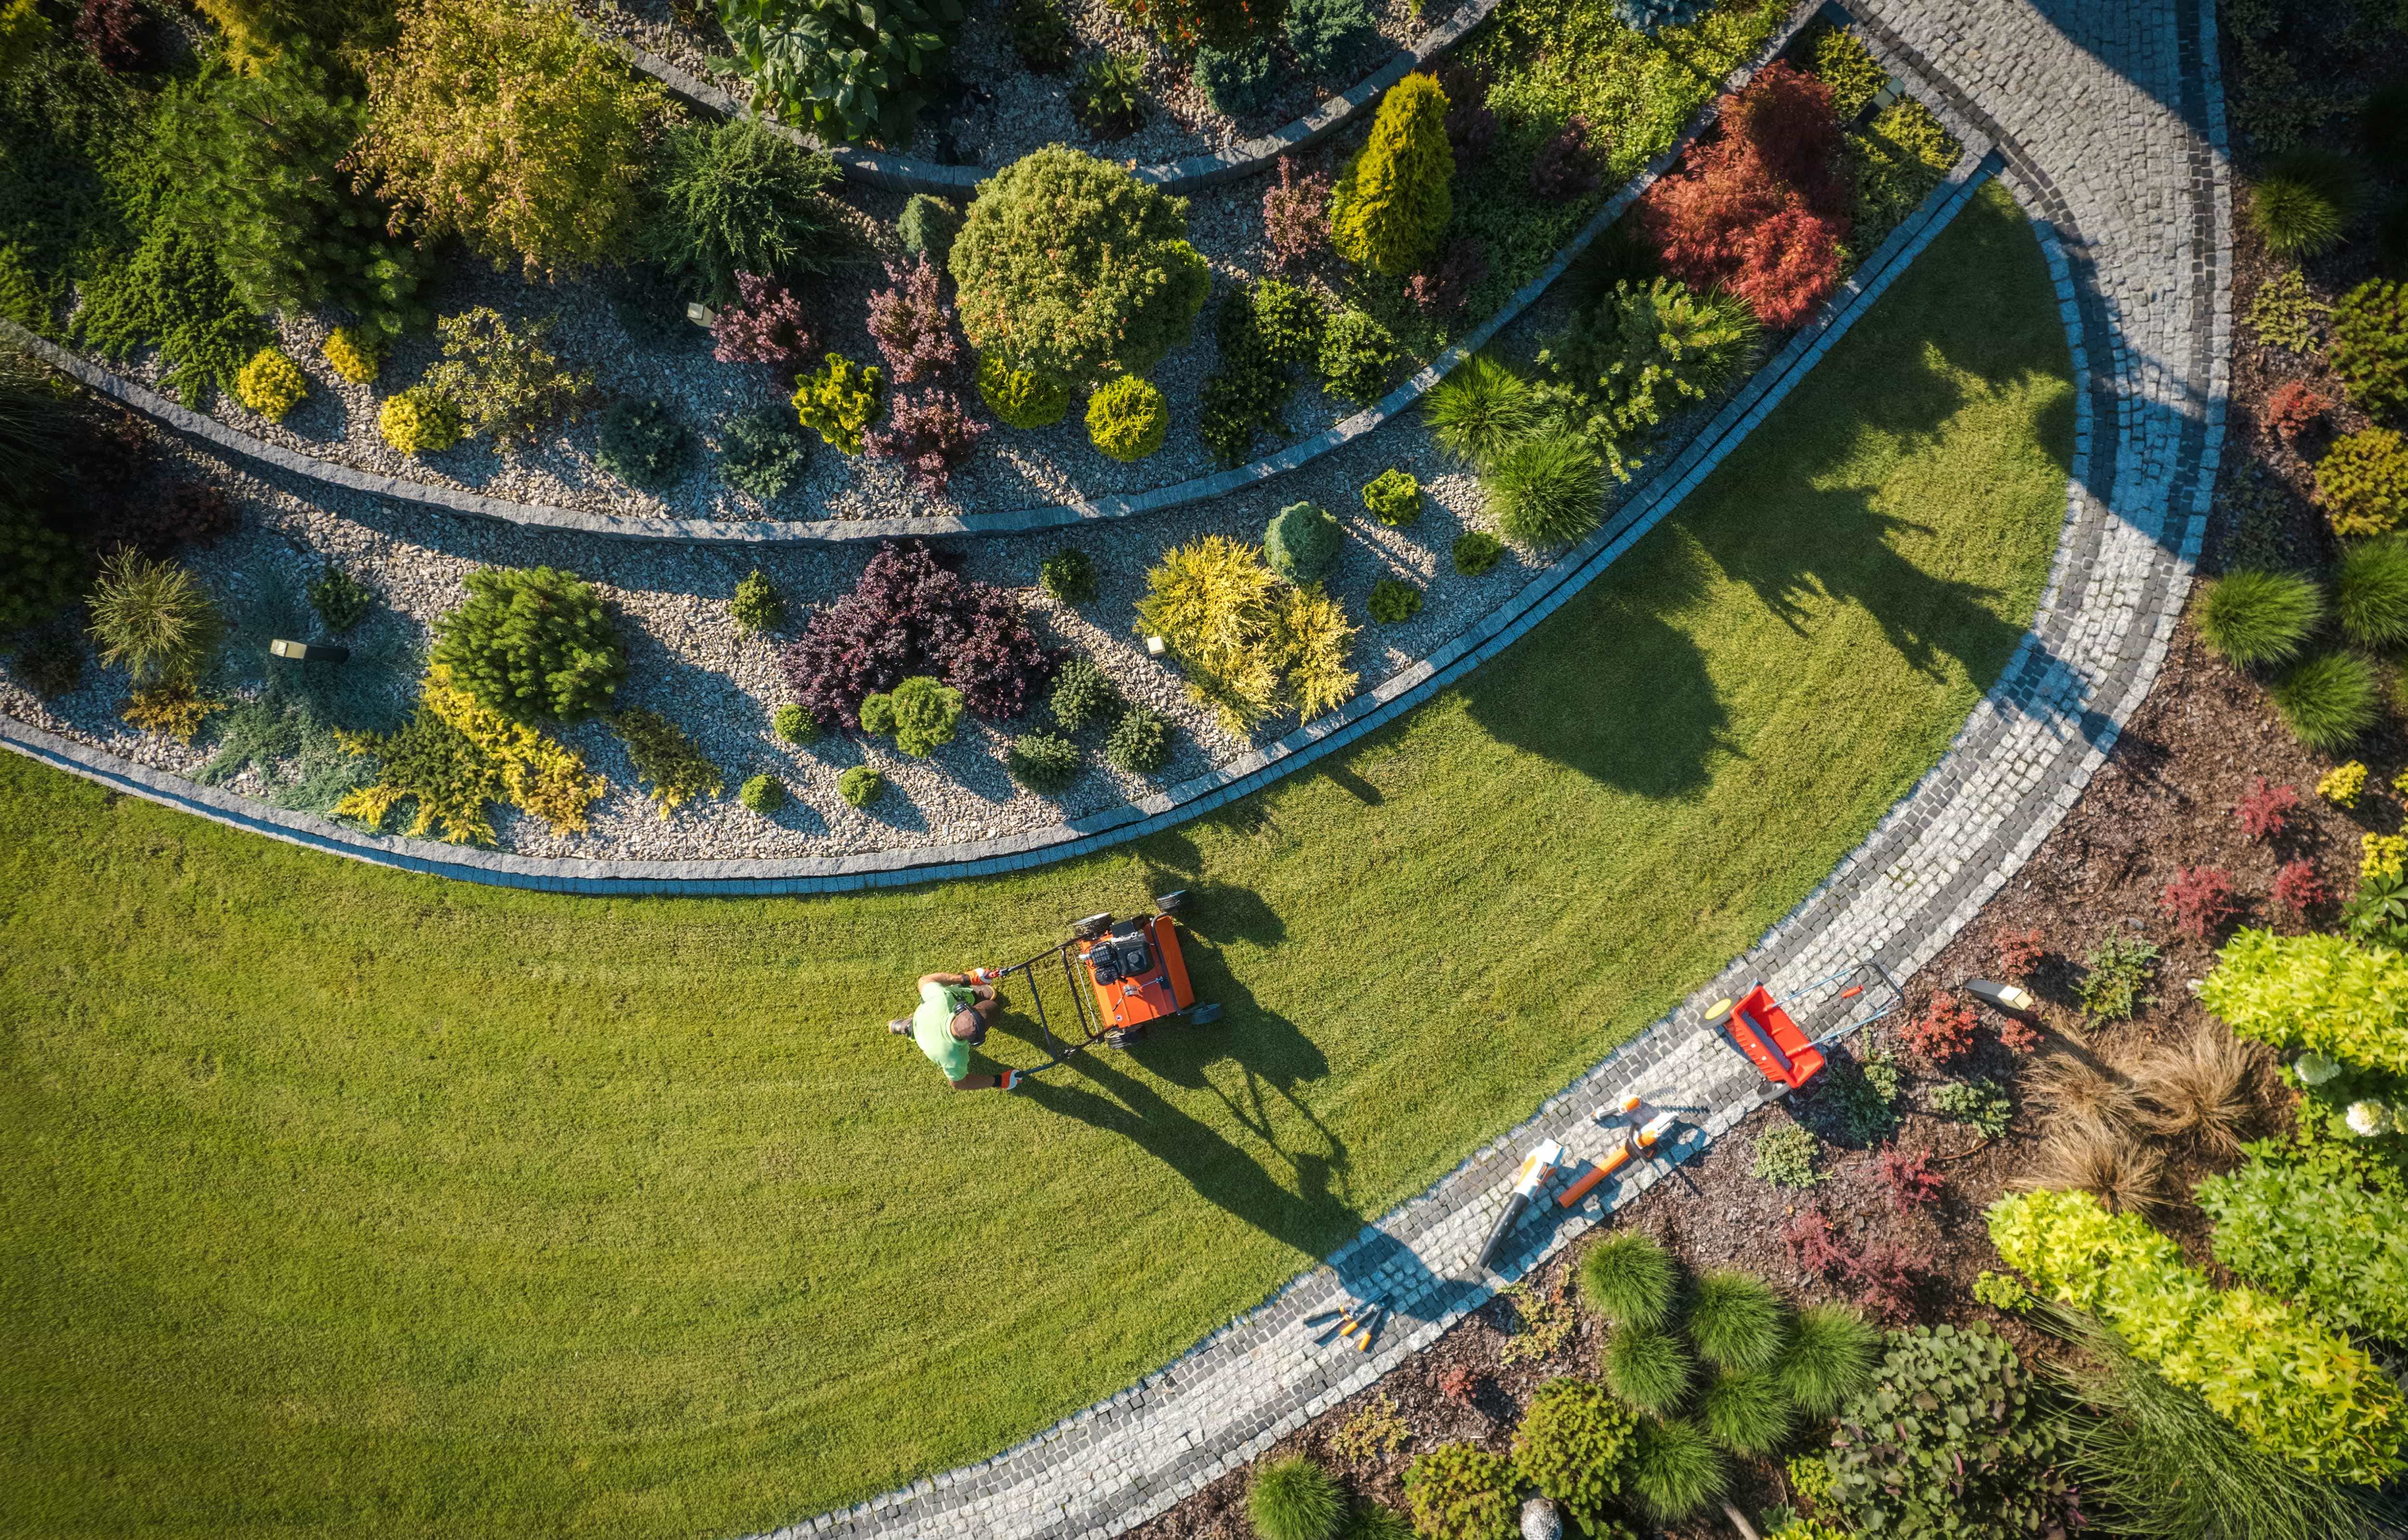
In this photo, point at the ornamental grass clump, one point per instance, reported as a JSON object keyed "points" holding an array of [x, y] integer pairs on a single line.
{"points": [[1547, 489], [1628, 1278], [1736, 1320], [153, 619], [1648, 1368], [534, 645], [1393, 200], [1831, 1354], [1675, 1469], [1746, 1411], [2329, 702], [2371, 592], [1294, 1499], [2304, 202], [1571, 1443], [2251, 618], [1479, 409]]}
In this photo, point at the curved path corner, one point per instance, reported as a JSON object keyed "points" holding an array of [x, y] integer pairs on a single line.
{"points": [[2108, 119]]}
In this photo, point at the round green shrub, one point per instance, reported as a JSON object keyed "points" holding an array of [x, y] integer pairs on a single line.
{"points": [[1475, 550], [1083, 693], [1127, 419], [2305, 201], [1140, 742], [762, 793], [2362, 482], [1628, 1277], [2371, 592], [763, 453], [928, 228], [1546, 489], [1461, 1491], [421, 420], [1571, 1442], [1358, 355], [534, 643], [1394, 602], [923, 713], [860, 785], [1018, 399], [2251, 616], [758, 605], [1236, 80], [1479, 409], [1393, 200], [1301, 542], [1746, 1412], [2328, 703], [1289, 321], [1068, 266], [1068, 575], [1394, 498], [1647, 1367], [795, 724], [1736, 1320], [270, 384], [1043, 762], [642, 443], [2369, 347], [1294, 1499], [1832, 1351], [1674, 1470]]}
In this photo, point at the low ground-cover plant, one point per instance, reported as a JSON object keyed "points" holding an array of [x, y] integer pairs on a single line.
{"points": [[503, 380], [1982, 1102], [454, 755], [2369, 347], [2116, 978], [1786, 1157], [675, 770]]}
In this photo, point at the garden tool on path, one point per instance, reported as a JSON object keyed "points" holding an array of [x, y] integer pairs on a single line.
{"points": [[1635, 1143], [1537, 1166], [1349, 1319]]}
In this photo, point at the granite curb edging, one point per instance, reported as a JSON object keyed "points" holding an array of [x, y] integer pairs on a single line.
{"points": [[227, 438]]}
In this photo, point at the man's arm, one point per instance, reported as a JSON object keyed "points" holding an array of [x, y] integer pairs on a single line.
{"points": [[951, 981], [1004, 1081]]}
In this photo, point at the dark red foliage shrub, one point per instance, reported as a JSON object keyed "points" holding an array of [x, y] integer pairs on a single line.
{"points": [[1470, 122], [1296, 214], [1446, 288], [1944, 1030], [1788, 264], [117, 33], [2019, 954], [1911, 1180], [2201, 900], [1565, 166], [187, 513], [930, 433], [2266, 809], [1785, 124], [2018, 1036], [765, 326], [913, 613], [1812, 1248], [912, 324], [2299, 888], [1887, 1283], [2295, 410], [1458, 1385]]}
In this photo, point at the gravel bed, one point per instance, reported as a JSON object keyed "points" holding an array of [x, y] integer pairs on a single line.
{"points": [[1001, 109]]}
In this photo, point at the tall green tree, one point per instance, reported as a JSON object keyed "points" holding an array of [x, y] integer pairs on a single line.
{"points": [[1394, 200]]}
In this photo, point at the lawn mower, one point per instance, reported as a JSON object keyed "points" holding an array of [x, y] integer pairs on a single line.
{"points": [[1123, 976], [1766, 1029]]}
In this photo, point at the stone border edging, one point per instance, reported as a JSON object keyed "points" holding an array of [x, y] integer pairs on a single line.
{"points": [[233, 441], [1481, 639], [910, 174]]}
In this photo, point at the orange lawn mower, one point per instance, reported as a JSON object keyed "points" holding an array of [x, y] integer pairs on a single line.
{"points": [[1124, 976]]}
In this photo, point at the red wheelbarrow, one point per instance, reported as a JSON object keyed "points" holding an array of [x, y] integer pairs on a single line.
{"points": [[1766, 1029]]}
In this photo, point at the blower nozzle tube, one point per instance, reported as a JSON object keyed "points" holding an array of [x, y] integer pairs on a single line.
{"points": [[1536, 1168]]}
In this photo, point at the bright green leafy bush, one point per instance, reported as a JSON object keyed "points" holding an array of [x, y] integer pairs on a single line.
{"points": [[1394, 498], [1983, 1103], [1394, 201], [923, 713], [860, 785], [733, 198], [1301, 542], [838, 400], [2324, 994], [2362, 482], [2322, 1223], [1462, 1492], [1018, 399], [532, 644], [2251, 616], [1570, 1443], [1358, 355], [849, 68], [2115, 979], [1128, 418]]}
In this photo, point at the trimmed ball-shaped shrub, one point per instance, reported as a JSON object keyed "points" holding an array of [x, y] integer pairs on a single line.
{"points": [[1475, 550], [2251, 616], [1394, 498], [1140, 742], [1477, 410], [1358, 355], [355, 353], [534, 644], [1832, 1351], [1647, 1367], [923, 713], [1128, 418], [1301, 542], [762, 451], [762, 793], [1571, 1442], [795, 724], [1736, 1320], [1746, 1411], [1394, 601], [1069, 265], [1330, 37], [1395, 201], [1068, 575], [860, 785], [1462, 1492], [1628, 1277], [418, 420], [1236, 80], [2304, 202], [642, 443], [1289, 321], [2362, 484], [1546, 489], [928, 228], [1018, 399], [2370, 346], [2371, 592], [2328, 703], [1674, 1470], [1043, 761], [1294, 1499], [270, 384], [1083, 693]]}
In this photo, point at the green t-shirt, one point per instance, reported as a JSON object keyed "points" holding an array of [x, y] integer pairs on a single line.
{"points": [[932, 1028]]}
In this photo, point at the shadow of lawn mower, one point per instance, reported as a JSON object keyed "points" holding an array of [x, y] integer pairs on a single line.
{"points": [[1123, 976]]}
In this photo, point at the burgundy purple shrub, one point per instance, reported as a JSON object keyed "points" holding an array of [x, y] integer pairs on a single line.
{"points": [[1446, 288], [913, 614], [1470, 124], [912, 325], [1566, 165], [930, 433], [765, 326], [1296, 214]]}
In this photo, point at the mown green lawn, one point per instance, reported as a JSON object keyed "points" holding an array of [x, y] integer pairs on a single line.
{"points": [[339, 1200]]}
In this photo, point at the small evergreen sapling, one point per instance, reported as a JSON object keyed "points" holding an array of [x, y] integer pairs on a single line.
{"points": [[534, 644], [1301, 542], [757, 606], [762, 794], [1068, 575], [1043, 762], [1140, 742], [1394, 498], [793, 725], [1394, 601], [860, 785], [1083, 694]]}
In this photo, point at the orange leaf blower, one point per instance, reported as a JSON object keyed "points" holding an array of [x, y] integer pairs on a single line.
{"points": [[1633, 1144]]}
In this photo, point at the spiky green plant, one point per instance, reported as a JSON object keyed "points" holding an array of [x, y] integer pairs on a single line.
{"points": [[2251, 616], [2328, 703], [1294, 1499], [1832, 1351], [1747, 1412], [1628, 1277], [1674, 1470], [1735, 1320], [1475, 411], [1546, 489], [1647, 1368], [2305, 201], [153, 619], [2371, 592]]}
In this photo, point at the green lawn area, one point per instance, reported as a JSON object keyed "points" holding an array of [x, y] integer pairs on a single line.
{"points": [[340, 1201]]}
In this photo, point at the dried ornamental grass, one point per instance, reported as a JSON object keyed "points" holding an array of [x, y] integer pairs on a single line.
{"points": [[2202, 1087], [2087, 1155]]}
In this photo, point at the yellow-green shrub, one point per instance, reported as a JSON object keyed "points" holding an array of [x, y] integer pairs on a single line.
{"points": [[838, 400], [1018, 399], [664, 756], [1394, 201], [1252, 646], [2322, 993], [418, 420], [2362, 484], [2294, 1389], [1128, 419], [355, 353], [456, 755], [270, 384]]}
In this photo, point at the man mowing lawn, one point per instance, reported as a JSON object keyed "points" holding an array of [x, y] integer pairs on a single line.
{"points": [[952, 1018]]}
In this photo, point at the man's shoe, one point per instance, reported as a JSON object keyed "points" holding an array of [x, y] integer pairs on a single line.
{"points": [[900, 1026]]}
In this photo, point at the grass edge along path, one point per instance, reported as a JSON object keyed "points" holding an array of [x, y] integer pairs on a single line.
{"points": [[336, 1199]]}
